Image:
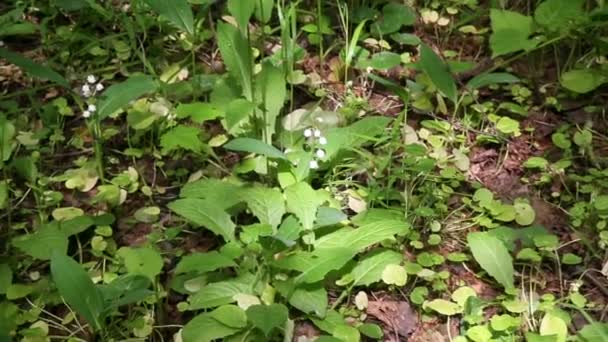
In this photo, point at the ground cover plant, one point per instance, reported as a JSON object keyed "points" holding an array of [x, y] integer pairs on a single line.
{"points": [[343, 170]]}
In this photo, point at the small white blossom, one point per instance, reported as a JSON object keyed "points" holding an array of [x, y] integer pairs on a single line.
{"points": [[313, 164], [92, 108], [319, 119], [323, 140], [91, 79], [86, 88], [308, 132], [86, 114], [349, 84], [317, 133], [1, 43], [369, 69], [320, 154], [99, 87]]}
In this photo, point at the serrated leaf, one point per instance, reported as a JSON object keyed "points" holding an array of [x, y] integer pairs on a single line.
{"points": [[254, 146], [268, 317], [364, 236], [556, 15], [491, 78], [121, 94], [222, 193], [236, 55], [493, 257], [303, 202], [33, 68], [77, 288], [205, 214], [369, 270], [203, 262], [268, 205], [438, 72], [178, 12], [510, 32], [323, 261], [355, 135], [184, 137], [308, 298], [221, 293]]}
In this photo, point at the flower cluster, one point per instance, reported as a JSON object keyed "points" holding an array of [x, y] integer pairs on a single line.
{"points": [[315, 140], [1, 43], [91, 87], [90, 110]]}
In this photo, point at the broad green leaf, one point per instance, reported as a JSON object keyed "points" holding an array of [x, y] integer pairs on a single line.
{"points": [[254, 146], [33, 68], [199, 112], [120, 95], [222, 193], [394, 275], [394, 16], [43, 243], [308, 298], [268, 317], [76, 225], [303, 202], [77, 288], [236, 55], [124, 290], [205, 328], [371, 330], [239, 114], [438, 72], [491, 78], [369, 270], [322, 261], [364, 236], [355, 135], [583, 81], [142, 261], [383, 60], [184, 137], [242, 10], [524, 213], [205, 213], [178, 12], [345, 332], [9, 314], [443, 307], [203, 262], [263, 10], [230, 315], [268, 205], [493, 257], [557, 15], [533, 337], [6, 278], [479, 333], [3, 194], [594, 332], [271, 92], [221, 293], [7, 135], [511, 32], [554, 325], [328, 216]]}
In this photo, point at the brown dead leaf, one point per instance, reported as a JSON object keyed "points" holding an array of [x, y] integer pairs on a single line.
{"points": [[397, 315]]}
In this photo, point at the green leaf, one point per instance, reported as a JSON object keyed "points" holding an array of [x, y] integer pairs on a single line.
{"points": [[230, 315], [371, 330], [7, 144], [236, 55], [510, 32], [355, 135], [205, 214], [394, 275], [308, 298], [370, 269], [6, 278], [242, 10], [41, 244], [491, 78], [271, 92], [222, 193], [443, 307], [120, 95], [524, 213], [124, 290], [322, 261], [303, 202], [594, 332], [267, 317], [346, 333], [254, 146], [583, 81], [268, 205], [364, 236], [479, 333], [394, 16], [438, 72], [556, 15], [203, 262], [185, 137], [199, 112], [3, 194], [493, 257], [77, 288], [33, 68], [263, 10], [142, 261], [205, 328], [221, 293], [552, 324], [384, 60], [178, 12]]}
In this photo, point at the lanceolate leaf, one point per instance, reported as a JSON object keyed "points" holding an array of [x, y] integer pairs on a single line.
{"points": [[369, 270], [43, 243], [205, 214], [205, 328], [438, 72], [119, 95], [487, 79], [237, 56], [178, 12], [254, 146], [33, 68], [77, 288], [242, 10], [203, 262], [364, 236], [323, 261], [493, 257], [221, 293], [271, 92]]}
